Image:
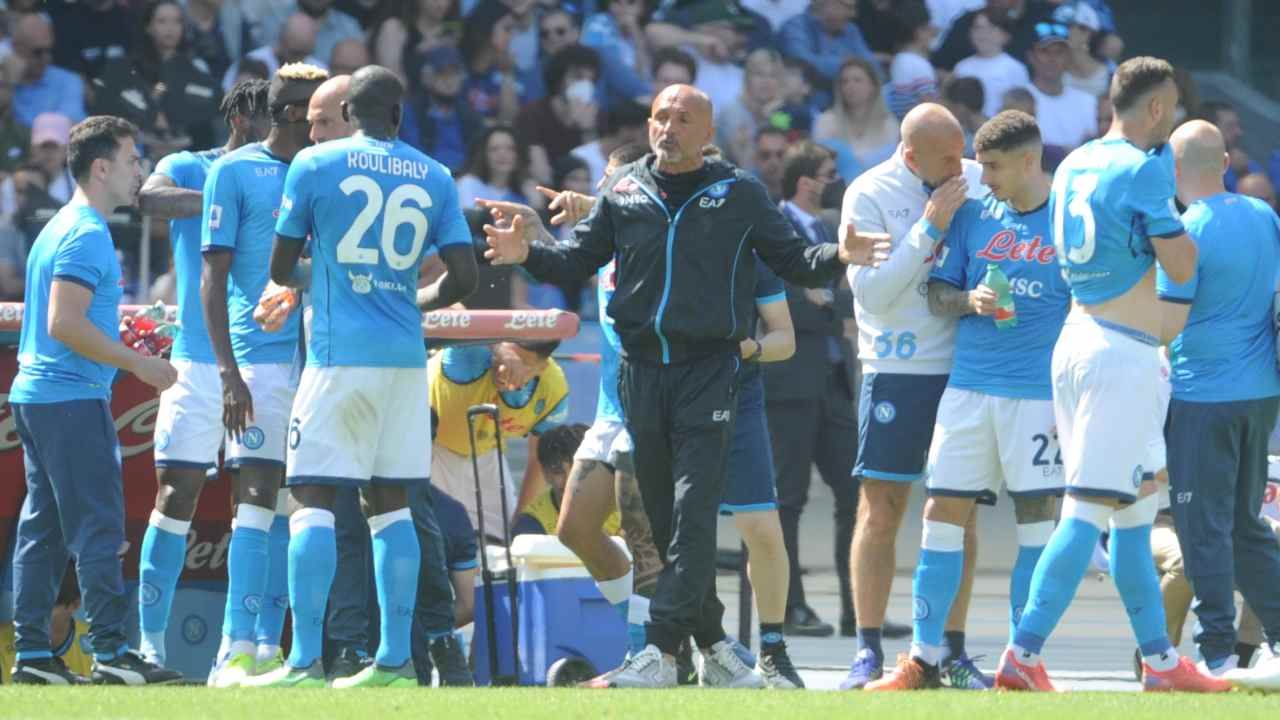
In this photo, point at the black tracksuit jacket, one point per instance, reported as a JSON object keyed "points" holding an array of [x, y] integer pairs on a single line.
{"points": [[685, 277]]}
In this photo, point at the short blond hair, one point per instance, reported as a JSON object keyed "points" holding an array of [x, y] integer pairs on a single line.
{"points": [[303, 72]]}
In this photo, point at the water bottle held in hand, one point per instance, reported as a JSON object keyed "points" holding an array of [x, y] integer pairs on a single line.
{"points": [[1006, 313]]}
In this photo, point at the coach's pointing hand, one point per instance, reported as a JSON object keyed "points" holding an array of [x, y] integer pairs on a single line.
{"points": [[573, 206], [863, 248]]}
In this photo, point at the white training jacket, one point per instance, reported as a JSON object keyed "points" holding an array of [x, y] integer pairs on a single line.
{"points": [[896, 331]]}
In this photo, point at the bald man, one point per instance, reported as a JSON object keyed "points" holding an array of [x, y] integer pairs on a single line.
{"points": [[324, 112], [681, 309], [905, 352], [1226, 395], [348, 56], [42, 87]]}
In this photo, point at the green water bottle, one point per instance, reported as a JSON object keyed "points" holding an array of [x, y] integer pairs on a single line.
{"points": [[1006, 313]]}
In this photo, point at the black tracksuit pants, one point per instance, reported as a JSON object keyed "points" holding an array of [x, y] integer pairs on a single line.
{"points": [[681, 421]]}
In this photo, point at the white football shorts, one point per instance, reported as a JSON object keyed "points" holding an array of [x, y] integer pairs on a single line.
{"points": [[189, 430]]}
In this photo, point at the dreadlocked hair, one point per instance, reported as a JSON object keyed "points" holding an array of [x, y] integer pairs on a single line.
{"points": [[248, 98]]}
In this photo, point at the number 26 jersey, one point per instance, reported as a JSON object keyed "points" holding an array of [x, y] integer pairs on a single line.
{"points": [[372, 208], [1109, 199]]}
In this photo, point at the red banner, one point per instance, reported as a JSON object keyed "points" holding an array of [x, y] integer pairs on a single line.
{"points": [[134, 406]]}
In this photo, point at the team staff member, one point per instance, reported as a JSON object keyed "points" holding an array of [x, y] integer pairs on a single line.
{"points": [[68, 353], [906, 356], [682, 230], [1226, 393]]}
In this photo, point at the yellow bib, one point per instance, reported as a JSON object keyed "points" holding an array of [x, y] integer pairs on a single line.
{"points": [[78, 661], [451, 400], [547, 515]]}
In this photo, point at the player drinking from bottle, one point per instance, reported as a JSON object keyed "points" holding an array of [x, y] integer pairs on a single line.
{"points": [[1113, 216], [995, 420]]}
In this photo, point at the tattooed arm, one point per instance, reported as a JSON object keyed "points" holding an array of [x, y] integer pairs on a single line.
{"points": [[947, 300]]}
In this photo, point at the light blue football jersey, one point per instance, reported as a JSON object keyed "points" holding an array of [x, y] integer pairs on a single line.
{"points": [[372, 209], [1226, 352], [74, 246], [1014, 362], [241, 202], [1110, 198], [188, 170]]}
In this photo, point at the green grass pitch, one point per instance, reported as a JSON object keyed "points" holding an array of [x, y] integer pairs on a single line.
{"points": [[180, 703]]}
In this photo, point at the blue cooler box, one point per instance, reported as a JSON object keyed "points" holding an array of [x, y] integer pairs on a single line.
{"points": [[561, 613]]}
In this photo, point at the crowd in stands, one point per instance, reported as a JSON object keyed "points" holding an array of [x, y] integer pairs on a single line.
{"points": [[512, 94]]}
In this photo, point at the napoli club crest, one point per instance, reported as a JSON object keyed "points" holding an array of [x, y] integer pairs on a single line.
{"points": [[885, 412]]}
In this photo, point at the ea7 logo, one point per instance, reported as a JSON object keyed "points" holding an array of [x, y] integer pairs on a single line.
{"points": [[710, 203], [720, 416]]}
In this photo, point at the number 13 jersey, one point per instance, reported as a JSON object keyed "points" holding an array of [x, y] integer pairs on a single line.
{"points": [[1109, 199], [373, 209]]}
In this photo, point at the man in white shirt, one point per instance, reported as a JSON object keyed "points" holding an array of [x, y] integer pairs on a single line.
{"points": [[1067, 116], [905, 353]]}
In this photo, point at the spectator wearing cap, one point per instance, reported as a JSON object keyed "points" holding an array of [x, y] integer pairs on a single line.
{"points": [[495, 87], [417, 26], [42, 87], [296, 43], [626, 57], [568, 117], [50, 134], [436, 120], [824, 36], [332, 26], [348, 56], [1020, 16], [158, 87], [14, 138], [90, 34], [761, 97], [912, 79], [999, 72], [1084, 70], [624, 124], [1067, 116]]}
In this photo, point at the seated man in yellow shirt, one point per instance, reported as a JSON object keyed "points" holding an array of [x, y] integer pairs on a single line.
{"points": [[532, 403], [555, 456], [65, 633]]}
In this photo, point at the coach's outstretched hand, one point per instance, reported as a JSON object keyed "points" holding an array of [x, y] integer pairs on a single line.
{"points": [[155, 371], [863, 248], [508, 240]]}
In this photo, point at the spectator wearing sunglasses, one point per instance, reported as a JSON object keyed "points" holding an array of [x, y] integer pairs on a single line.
{"points": [[42, 86]]}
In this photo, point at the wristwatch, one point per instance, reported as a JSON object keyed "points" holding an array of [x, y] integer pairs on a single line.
{"points": [[755, 354]]}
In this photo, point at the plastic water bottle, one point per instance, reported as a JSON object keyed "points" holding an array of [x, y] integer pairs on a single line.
{"points": [[1006, 313]]}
